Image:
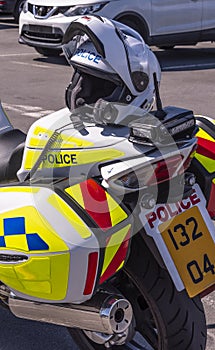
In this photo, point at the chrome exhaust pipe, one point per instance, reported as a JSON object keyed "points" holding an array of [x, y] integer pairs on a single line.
{"points": [[104, 313]]}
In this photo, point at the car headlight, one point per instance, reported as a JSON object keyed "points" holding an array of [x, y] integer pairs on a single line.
{"points": [[25, 7], [85, 9]]}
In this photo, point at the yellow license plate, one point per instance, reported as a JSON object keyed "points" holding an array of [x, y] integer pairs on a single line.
{"points": [[192, 249]]}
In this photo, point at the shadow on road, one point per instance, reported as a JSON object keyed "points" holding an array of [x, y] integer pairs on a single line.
{"points": [[186, 58], [211, 326], [60, 60], [7, 22], [7, 26], [19, 334]]}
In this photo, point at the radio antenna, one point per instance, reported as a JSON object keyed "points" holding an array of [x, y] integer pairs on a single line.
{"points": [[160, 113]]}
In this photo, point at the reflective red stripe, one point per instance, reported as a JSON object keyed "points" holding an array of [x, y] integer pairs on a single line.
{"points": [[91, 273], [211, 202], [117, 260], [95, 203], [206, 148]]}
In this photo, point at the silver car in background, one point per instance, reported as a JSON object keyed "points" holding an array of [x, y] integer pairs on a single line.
{"points": [[163, 23]]}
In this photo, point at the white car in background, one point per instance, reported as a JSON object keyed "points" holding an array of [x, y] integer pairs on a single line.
{"points": [[163, 23]]}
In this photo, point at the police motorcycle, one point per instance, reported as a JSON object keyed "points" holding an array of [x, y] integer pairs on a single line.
{"points": [[104, 227]]}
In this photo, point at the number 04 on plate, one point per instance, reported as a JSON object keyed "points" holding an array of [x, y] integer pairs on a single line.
{"points": [[192, 249]]}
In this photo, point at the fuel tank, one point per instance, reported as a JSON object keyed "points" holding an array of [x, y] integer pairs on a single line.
{"points": [[74, 149]]}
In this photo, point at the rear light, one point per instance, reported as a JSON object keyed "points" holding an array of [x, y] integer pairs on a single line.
{"points": [[129, 180], [165, 170], [91, 273], [2, 2], [170, 167], [152, 174], [190, 157]]}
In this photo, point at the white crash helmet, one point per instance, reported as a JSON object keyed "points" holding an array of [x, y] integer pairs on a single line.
{"points": [[113, 69]]}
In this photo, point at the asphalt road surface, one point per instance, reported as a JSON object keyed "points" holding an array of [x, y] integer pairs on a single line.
{"points": [[32, 86]]}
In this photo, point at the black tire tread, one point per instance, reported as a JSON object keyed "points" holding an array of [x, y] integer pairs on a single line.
{"points": [[175, 309], [180, 319]]}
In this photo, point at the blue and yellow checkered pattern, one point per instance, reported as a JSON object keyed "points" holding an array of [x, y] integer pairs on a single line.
{"points": [[14, 236]]}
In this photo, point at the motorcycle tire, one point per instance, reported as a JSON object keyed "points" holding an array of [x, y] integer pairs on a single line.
{"points": [[165, 318]]}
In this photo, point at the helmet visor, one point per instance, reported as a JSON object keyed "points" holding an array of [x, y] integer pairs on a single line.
{"points": [[137, 56]]}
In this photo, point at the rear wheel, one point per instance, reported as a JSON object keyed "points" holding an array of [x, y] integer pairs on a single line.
{"points": [[48, 52], [165, 318]]}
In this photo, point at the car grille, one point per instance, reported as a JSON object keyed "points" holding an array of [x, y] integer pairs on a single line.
{"points": [[42, 34], [46, 11]]}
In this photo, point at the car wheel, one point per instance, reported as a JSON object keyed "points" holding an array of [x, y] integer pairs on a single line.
{"points": [[135, 24], [48, 52], [18, 9]]}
